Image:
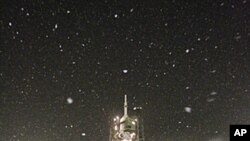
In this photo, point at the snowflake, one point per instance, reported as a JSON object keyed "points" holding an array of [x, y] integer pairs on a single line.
{"points": [[69, 100], [213, 71], [210, 100], [188, 109], [213, 93], [125, 71]]}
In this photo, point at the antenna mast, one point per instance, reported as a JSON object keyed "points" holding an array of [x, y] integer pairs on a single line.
{"points": [[125, 106]]}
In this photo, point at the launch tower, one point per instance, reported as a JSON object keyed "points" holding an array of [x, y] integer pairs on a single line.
{"points": [[128, 128]]}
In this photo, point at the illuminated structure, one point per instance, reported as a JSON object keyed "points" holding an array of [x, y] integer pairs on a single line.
{"points": [[128, 128]]}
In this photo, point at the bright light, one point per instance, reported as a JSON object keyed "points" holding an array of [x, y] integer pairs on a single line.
{"points": [[133, 122], [133, 135], [117, 117], [136, 108], [125, 71], [116, 128]]}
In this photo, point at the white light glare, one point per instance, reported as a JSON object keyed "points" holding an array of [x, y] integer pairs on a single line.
{"points": [[133, 135], [116, 128]]}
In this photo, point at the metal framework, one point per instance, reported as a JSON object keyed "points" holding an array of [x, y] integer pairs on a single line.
{"points": [[128, 128]]}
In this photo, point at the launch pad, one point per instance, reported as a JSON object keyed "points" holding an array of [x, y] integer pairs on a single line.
{"points": [[128, 128]]}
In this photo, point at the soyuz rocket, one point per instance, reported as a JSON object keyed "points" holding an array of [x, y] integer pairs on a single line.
{"points": [[127, 128]]}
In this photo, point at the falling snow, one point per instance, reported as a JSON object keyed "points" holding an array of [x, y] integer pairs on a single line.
{"points": [[69, 100], [65, 66], [213, 93], [210, 100], [188, 109], [125, 71]]}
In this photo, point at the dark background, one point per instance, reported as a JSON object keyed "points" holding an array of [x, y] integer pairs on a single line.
{"points": [[188, 66]]}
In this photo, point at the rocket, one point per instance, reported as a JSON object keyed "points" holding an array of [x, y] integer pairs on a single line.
{"points": [[128, 127]]}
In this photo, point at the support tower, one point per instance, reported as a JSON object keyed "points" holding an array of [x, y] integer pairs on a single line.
{"points": [[128, 128]]}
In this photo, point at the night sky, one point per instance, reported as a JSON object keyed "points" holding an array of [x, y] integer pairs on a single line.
{"points": [[66, 65]]}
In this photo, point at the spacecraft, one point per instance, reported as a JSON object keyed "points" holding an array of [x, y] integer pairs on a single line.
{"points": [[127, 128]]}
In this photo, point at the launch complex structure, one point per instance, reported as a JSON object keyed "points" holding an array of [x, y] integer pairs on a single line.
{"points": [[128, 128]]}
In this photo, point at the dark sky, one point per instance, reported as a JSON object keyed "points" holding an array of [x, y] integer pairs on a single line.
{"points": [[66, 64]]}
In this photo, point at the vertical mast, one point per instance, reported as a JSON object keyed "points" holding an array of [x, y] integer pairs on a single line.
{"points": [[125, 106]]}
